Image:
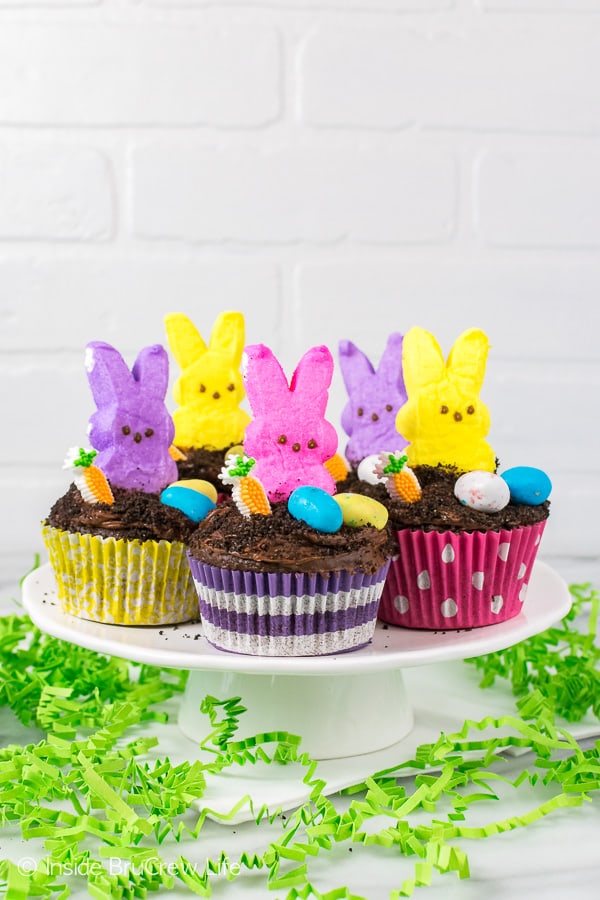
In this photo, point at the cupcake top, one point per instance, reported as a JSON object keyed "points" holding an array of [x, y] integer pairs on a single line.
{"points": [[126, 486], [283, 516], [132, 515], [446, 479], [438, 508], [281, 543], [200, 462]]}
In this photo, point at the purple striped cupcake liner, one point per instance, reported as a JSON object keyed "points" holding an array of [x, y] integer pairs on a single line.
{"points": [[287, 614], [441, 581]]}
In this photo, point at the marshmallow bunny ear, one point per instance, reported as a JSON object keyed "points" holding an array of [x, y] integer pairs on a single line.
{"points": [[228, 336], [264, 380], [422, 360], [151, 370], [108, 373], [468, 357], [390, 364], [312, 378], [354, 364], [184, 339]]}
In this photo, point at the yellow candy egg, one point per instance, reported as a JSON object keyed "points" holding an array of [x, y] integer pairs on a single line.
{"points": [[359, 510], [237, 450], [198, 484]]}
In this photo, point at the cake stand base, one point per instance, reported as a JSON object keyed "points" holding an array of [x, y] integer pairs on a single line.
{"points": [[336, 715], [342, 706]]}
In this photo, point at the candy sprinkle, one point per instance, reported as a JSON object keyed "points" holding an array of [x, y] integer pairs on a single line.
{"points": [[89, 480], [337, 467], [93, 486], [176, 454], [248, 493], [400, 481], [250, 497]]}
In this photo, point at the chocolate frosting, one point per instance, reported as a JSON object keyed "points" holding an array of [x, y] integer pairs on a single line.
{"points": [[280, 543], [134, 514], [200, 462], [439, 510]]}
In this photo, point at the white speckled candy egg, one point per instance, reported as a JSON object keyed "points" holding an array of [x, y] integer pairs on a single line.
{"points": [[481, 490], [366, 470]]}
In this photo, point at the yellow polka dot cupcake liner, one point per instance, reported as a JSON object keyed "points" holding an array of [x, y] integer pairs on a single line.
{"points": [[121, 582]]}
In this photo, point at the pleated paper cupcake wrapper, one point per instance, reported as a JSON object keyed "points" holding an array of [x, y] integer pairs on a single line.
{"points": [[281, 614], [442, 581], [121, 582]]}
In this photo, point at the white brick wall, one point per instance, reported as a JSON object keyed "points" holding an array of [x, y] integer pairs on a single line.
{"points": [[121, 74], [293, 195], [482, 73], [52, 192], [334, 169]]}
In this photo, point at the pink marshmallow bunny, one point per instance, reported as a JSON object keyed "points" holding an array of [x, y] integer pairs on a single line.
{"points": [[288, 435], [132, 429]]}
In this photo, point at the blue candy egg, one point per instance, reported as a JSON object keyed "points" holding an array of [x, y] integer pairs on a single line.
{"points": [[527, 485], [316, 507], [195, 505]]}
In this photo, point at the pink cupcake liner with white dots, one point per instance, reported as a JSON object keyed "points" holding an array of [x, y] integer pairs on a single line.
{"points": [[442, 581]]}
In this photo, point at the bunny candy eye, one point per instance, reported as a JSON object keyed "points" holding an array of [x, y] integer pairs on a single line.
{"points": [[231, 387], [360, 411], [149, 432], [202, 388], [312, 444], [470, 410], [282, 439], [126, 429], [443, 410], [389, 407]]}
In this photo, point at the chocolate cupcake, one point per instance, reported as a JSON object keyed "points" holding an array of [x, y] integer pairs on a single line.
{"points": [[280, 570], [118, 553], [466, 536], [272, 585]]}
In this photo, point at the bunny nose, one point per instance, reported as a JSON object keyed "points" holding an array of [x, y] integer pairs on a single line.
{"points": [[458, 416], [216, 395], [375, 417], [296, 447], [137, 437]]}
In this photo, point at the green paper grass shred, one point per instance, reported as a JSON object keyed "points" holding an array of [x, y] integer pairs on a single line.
{"points": [[562, 663], [88, 793]]}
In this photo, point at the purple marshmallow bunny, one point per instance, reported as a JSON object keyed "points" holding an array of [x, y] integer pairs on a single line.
{"points": [[132, 429], [369, 417]]}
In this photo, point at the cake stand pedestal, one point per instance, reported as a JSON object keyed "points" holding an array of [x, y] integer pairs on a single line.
{"points": [[336, 715], [343, 705]]}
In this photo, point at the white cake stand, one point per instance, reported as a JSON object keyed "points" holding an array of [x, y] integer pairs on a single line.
{"points": [[343, 705]]}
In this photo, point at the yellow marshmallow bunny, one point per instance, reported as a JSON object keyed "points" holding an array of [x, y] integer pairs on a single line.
{"points": [[210, 388], [444, 420]]}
